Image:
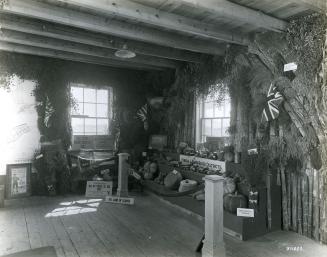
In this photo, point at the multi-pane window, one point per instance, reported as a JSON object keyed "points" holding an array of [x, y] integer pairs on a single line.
{"points": [[92, 111], [215, 118]]}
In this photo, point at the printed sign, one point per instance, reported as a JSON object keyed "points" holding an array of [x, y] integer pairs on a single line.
{"points": [[98, 188], [18, 181], [244, 212], [290, 66], [121, 200], [211, 164]]}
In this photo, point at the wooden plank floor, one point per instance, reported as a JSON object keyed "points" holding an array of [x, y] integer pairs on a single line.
{"points": [[79, 227]]}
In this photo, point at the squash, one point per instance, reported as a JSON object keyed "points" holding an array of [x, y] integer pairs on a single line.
{"points": [[234, 201], [150, 170]]}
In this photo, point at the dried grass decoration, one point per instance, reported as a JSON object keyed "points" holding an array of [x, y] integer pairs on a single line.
{"points": [[255, 167]]}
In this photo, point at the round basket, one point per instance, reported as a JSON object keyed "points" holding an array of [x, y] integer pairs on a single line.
{"points": [[187, 185]]}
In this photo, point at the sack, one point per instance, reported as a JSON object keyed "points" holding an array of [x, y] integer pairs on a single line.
{"points": [[229, 186], [173, 179]]}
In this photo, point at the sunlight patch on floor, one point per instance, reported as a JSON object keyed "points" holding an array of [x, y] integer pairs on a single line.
{"points": [[75, 207]]}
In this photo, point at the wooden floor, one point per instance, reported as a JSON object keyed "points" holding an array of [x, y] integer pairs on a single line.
{"points": [[76, 226]]}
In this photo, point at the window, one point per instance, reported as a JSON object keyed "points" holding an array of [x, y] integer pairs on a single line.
{"points": [[92, 112], [214, 118]]}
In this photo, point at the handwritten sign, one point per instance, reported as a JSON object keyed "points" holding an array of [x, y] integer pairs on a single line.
{"points": [[121, 200], [244, 212], [203, 162], [98, 188], [290, 66]]}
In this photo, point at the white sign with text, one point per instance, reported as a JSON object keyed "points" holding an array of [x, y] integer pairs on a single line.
{"points": [[98, 188], [121, 200], [203, 162], [244, 212]]}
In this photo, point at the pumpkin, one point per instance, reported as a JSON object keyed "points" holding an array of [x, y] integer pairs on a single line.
{"points": [[172, 180], [147, 166], [150, 170], [229, 186], [234, 201], [153, 167], [148, 175]]}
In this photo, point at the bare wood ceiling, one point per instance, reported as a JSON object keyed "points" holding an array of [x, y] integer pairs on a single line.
{"points": [[162, 33]]}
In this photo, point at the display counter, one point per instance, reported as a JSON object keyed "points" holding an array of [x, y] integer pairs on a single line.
{"points": [[243, 228]]}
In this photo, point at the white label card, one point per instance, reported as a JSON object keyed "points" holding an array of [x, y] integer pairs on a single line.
{"points": [[290, 66], [244, 212], [121, 200]]}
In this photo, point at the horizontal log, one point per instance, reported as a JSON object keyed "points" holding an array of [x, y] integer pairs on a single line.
{"points": [[47, 29], [316, 5], [95, 23], [17, 48], [72, 47], [148, 15]]}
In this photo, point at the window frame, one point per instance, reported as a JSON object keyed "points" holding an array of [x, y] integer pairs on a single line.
{"points": [[203, 118], [96, 103]]}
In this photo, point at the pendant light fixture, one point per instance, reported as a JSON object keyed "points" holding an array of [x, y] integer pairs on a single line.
{"points": [[124, 53]]}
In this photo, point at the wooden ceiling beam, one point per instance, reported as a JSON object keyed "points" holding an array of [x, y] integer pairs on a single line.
{"points": [[233, 11], [72, 47], [95, 23], [47, 29], [148, 15], [316, 5], [31, 50]]}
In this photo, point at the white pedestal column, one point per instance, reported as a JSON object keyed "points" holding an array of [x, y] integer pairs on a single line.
{"points": [[214, 217], [122, 190]]}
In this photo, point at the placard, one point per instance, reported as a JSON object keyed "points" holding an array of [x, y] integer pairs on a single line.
{"points": [[203, 162], [98, 188], [244, 212], [290, 66], [121, 200]]}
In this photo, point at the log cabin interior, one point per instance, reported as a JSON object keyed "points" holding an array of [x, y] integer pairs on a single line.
{"points": [[163, 128]]}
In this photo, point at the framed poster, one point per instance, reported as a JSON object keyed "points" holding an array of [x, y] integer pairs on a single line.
{"points": [[18, 180]]}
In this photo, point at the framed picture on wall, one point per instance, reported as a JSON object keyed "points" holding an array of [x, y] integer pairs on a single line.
{"points": [[18, 180]]}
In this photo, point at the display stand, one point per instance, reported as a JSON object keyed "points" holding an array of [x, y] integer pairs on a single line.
{"points": [[122, 190], [213, 244]]}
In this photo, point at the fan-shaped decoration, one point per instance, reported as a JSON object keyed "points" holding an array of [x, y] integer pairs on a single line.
{"points": [[274, 99], [142, 113]]}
